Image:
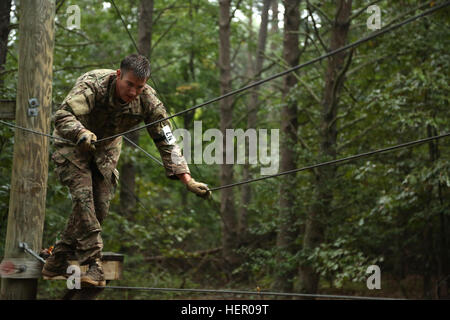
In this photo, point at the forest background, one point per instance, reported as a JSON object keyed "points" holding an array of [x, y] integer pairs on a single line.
{"points": [[313, 232]]}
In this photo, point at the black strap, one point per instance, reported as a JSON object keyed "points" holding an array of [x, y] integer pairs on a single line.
{"points": [[159, 139]]}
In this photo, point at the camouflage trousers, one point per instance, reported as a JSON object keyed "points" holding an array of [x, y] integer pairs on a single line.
{"points": [[91, 194]]}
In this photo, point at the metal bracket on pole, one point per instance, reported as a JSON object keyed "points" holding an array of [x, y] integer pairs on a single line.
{"points": [[24, 246], [24, 267], [33, 105]]}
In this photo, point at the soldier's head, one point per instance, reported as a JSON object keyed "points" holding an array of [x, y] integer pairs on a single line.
{"points": [[131, 77]]}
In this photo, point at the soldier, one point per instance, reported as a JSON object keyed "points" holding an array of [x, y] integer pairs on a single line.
{"points": [[101, 104]]}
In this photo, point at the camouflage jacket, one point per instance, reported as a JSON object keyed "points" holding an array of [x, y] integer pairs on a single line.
{"points": [[91, 104]]}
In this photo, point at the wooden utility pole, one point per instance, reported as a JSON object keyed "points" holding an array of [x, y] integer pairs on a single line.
{"points": [[30, 160]]}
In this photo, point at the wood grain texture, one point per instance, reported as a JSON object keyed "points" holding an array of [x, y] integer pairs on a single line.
{"points": [[32, 268], [30, 160], [113, 270]]}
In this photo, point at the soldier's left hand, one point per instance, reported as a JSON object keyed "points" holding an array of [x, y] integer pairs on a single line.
{"points": [[200, 189]]}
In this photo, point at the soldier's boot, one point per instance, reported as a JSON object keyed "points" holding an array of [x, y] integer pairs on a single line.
{"points": [[94, 276], [56, 265]]}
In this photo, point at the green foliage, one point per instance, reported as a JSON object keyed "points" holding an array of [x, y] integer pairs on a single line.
{"points": [[340, 261], [392, 209]]}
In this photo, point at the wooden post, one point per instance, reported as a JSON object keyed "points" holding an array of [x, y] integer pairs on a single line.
{"points": [[30, 159]]}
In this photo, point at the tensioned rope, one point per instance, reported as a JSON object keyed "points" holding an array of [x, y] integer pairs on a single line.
{"points": [[333, 162], [322, 164], [36, 132], [216, 291], [159, 92], [151, 78], [145, 152], [257, 83], [404, 145], [354, 44], [256, 293], [125, 25], [135, 45], [268, 79], [295, 68]]}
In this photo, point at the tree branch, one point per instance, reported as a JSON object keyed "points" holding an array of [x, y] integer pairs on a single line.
{"points": [[8, 71], [311, 92], [402, 15], [351, 123], [340, 78], [158, 68], [163, 35], [68, 45], [316, 31], [234, 11], [74, 31], [357, 137], [323, 14], [362, 10], [196, 254], [13, 26], [160, 12], [95, 65], [59, 4]]}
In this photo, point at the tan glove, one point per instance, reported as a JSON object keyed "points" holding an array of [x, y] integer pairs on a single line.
{"points": [[200, 189], [86, 141]]}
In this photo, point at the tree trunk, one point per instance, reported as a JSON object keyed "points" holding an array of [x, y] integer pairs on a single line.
{"points": [[189, 76], [274, 23], [145, 27], [275, 84], [440, 258], [5, 10], [128, 174], [321, 209], [227, 208], [254, 70], [287, 231]]}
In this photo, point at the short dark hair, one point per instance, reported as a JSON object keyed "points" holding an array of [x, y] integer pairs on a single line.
{"points": [[137, 63]]}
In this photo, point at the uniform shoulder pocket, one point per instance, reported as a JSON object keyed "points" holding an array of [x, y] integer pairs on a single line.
{"points": [[82, 102]]}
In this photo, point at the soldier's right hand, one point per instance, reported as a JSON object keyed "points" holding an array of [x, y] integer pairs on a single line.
{"points": [[200, 189], [86, 141]]}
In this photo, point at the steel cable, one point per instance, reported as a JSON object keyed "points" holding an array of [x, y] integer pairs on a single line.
{"points": [[298, 67]]}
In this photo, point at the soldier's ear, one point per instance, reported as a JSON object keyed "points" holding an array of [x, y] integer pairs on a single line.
{"points": [[118, 73]]}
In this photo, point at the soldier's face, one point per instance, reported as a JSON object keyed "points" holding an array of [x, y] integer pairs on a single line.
{"points": [[128, 86]]}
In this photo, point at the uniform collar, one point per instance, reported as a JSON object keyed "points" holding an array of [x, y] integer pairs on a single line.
{"points": [[113, 101]]}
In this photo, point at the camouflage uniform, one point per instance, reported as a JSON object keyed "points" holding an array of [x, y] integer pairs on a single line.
{"points": [[92, 177]]}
